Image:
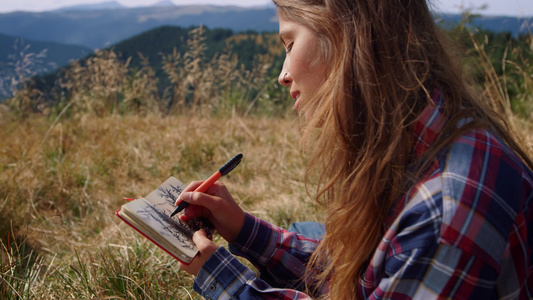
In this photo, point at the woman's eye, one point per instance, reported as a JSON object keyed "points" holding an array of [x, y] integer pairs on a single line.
{"points": [[289, 48]]}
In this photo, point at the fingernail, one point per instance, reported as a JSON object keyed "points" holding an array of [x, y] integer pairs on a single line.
{"points": [[185, 196]]}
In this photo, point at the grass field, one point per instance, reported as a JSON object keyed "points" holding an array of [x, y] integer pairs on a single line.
{"points": [[62, 183]]}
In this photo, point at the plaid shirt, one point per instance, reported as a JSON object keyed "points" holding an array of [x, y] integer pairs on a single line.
{"points": [[463, 232]]}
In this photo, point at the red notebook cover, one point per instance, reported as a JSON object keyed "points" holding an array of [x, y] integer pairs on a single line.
{"points": [[117, 214]]}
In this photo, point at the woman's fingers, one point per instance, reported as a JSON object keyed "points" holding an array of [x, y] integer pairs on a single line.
{"points": [[206, 248], [218, 206], [195, 211], [202, 241], [191, 187], [208, 201]]}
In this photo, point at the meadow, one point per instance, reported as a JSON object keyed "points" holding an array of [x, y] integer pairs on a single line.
{"points": [[62, 184], [67, 165], [66, 168]]}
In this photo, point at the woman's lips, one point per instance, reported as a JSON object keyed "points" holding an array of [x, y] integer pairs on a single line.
{"points": [[296, 96]]}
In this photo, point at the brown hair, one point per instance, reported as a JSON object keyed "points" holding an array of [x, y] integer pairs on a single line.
{"points": [[385, 57]]}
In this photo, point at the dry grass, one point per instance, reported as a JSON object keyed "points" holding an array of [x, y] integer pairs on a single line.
{"points": [[62, 183]]}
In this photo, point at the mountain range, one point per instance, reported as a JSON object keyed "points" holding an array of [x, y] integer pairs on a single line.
{"points": [[100, 25], [76, 31], [108, 23], [111, 5], [56, 54]]}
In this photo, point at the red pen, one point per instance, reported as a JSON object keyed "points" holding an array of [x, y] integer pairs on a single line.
{"points": [[225, 169]]}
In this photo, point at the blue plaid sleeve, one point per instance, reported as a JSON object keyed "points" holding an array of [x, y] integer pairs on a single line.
{"points": [[279, 255], [224, 277]]}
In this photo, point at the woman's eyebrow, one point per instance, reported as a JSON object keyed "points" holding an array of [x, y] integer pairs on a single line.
{"points": [[282, 37]]}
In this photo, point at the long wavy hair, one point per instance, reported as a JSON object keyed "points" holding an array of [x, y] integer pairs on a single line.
{"points": [[384, 59]]}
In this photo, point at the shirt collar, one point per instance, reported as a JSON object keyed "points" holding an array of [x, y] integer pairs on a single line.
{"points": [[429, 125], [425, 131]]}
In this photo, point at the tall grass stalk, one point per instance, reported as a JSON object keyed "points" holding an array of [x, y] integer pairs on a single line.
{"points": [[512, 89], [20, 269]]}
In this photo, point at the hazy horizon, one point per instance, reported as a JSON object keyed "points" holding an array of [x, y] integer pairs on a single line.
{"points": [[519, 8]]}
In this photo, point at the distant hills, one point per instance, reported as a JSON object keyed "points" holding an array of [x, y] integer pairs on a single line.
{"points": [[163, 40], [104, 24], [74, 32], [112, 5], [96, 6], [57, 55], [243, 47], [496, 24], [108, 23]]}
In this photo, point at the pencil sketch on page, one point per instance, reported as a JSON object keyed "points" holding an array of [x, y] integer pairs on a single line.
{"points": [[156, 213]]}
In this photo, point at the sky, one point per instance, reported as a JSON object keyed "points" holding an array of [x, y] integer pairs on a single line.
{"points": [[519, 8]]}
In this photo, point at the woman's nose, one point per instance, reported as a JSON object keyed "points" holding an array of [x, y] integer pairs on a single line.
{"points": [[284, 78]]}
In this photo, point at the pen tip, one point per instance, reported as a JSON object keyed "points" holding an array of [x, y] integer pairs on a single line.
{"points": [[174, 213]]}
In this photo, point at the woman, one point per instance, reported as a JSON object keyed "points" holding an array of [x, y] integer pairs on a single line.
{"points": [[427, 193]]}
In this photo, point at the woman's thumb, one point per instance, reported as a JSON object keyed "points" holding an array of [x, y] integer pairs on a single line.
{"points": [[200, 239]]}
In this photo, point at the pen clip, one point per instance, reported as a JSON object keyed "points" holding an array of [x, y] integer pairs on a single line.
{"points": [[230, 165]]}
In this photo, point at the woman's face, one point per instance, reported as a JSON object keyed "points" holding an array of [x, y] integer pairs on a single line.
{"points": [[303, 69]]}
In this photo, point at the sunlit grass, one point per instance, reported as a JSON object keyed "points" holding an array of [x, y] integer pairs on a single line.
{"points": [[62, 183]]}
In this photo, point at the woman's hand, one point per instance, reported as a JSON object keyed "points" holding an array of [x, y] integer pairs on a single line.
{"points": [[206, 248], [217, 205]]}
